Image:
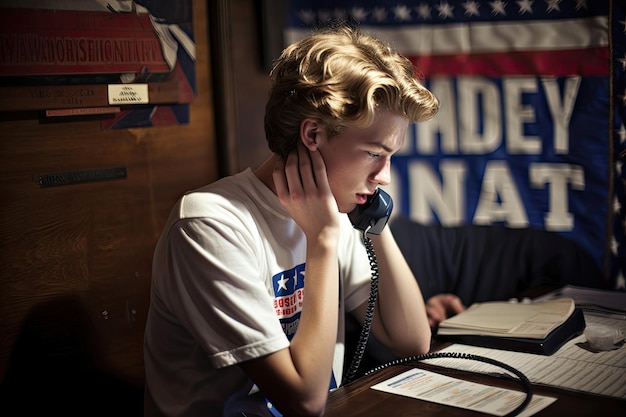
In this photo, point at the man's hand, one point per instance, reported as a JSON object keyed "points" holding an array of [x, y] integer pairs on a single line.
{"points": [[441, 306], [303, 190]]}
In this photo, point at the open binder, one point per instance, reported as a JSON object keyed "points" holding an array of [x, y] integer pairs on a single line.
{"points": [[570, 328]]}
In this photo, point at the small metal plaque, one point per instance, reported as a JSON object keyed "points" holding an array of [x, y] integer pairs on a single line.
{"points": [[77, 177]]}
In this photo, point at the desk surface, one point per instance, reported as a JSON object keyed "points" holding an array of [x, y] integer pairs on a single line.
{"points": [[358, 399]]}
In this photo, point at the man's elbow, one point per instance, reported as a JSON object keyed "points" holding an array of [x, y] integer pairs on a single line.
{"points": [[310, 407], [414, 347], [425, 341], [423, 347]]}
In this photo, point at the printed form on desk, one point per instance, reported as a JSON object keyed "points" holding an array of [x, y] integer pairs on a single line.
{"points": [[572, 367], [441, 389]]}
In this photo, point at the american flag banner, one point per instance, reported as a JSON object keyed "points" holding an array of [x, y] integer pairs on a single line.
{"points": [[531, 127]]}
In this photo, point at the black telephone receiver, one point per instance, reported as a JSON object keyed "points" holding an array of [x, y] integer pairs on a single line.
{"points": [[372, 216]]}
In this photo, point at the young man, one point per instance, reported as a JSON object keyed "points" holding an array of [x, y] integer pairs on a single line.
{"points": [[244, 262]]}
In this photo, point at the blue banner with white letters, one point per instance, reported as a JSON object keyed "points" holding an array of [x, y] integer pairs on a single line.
{"points": [[530, 132]]}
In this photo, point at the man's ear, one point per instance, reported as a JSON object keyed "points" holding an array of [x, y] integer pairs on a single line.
{"points": [[309, 130]]}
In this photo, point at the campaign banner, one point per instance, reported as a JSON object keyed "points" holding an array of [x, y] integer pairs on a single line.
{"points": [[530, 132], [37, 42]]}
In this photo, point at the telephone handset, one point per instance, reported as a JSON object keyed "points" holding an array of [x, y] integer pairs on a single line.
{"points": [[372, 216]]}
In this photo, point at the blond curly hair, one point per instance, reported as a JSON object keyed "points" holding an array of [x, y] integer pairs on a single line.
{"points": [[341, 77]]}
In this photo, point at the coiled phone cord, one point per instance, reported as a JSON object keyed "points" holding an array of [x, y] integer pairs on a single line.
{"points": [[366, 328], [369, 314]]}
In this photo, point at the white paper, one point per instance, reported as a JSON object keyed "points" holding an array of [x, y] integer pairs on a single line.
{"points": [[501, 318], [571, 367], [442, 389], [605, 303]]}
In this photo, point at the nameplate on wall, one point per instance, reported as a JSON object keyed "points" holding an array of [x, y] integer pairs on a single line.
{"points": [[128, 94], [77, 177]]}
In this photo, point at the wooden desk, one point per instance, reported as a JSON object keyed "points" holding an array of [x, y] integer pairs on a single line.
{"points": [[358, 400]]}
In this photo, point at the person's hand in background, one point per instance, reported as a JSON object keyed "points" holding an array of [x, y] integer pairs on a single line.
{"points": [[441, 306]]}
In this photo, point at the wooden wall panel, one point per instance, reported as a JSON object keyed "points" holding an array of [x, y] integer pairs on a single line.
{"points": [[76, 259]]}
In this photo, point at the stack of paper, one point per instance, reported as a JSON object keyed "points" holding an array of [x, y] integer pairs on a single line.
{"points": [[571, 367], [509, 319], [605, 303]]}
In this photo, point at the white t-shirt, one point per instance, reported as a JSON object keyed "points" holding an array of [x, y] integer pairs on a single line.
{"points": [[227, 286]]}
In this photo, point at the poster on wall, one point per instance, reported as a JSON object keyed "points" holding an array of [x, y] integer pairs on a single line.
{"points": [[531, 127], [132, 59]]}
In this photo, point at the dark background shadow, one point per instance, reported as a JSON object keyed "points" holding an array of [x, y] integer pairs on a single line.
{"points": [[57, 367]]}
